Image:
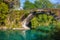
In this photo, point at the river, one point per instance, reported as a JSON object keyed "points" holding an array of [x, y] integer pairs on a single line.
{"points": [[24, 35], [40, 33]]}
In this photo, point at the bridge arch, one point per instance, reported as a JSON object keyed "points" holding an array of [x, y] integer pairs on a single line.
{"points": [[27, 20]]}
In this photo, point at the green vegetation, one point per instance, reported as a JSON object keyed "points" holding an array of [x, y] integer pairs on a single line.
{"points": [[43, 4], [3, 12], [39, 4], [28, 5], [12, 17], [42, 20]]}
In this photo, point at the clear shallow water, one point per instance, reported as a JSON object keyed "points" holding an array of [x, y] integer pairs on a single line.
{"points": [[28, 35], [40, 33]]}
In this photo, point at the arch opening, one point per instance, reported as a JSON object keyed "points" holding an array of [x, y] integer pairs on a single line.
{"points": [[48, 13]]}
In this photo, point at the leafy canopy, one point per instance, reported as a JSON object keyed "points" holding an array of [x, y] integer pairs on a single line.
{"points": [[3, 12]]}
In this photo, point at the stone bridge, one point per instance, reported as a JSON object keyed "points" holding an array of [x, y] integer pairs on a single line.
{"points": [[26, 21]]}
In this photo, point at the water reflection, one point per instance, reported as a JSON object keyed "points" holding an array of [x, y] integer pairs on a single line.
{"points": [[11, 35], [29, 35]]}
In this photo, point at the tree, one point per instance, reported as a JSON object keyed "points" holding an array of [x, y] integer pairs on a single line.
{"points": [[1, 1], [58, 5], [28, 5], [3, 12], [16, 4], [38, 4], [43, 4]]}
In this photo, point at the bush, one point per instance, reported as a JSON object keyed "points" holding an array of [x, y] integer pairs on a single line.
{"points": [[3, 12]]}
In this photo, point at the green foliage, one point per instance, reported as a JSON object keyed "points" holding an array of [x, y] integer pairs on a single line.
{"points": [[43, 4], [3, 8], [44, 33], [58, 5], [34, 22], [15, 18], [3, 12], [38, 4], [28, 5], [17, 14], [1, 1], [42, 20]]}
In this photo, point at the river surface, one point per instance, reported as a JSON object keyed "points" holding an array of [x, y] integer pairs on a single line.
{"points": [[24, 35], [42, 33]]}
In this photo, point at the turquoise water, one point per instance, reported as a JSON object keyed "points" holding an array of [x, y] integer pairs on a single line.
{"points": [[42, 33], [28, 35]]}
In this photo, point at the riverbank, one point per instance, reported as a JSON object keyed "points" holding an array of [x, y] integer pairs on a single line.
{"points": [[6, 28]]}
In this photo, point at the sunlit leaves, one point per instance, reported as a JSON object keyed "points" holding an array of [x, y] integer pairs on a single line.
{"points": [[3, 12], [28, 5], [42, 20], [43, 4], [3, 8], [34, 22]]}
